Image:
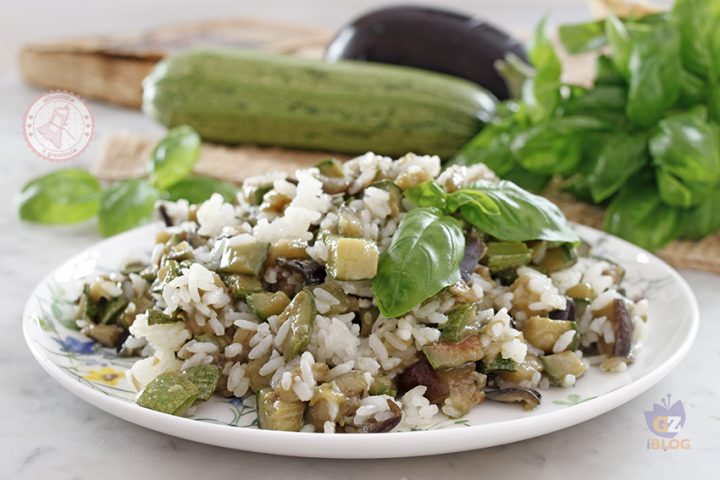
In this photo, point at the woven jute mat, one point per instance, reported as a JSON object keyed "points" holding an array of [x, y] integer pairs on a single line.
{"points": [[125, 155]]}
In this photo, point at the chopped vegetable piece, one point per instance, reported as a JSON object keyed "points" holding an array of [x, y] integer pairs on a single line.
{"points": [[331, 168], [169, 392], [623, 329], [301, 315], [313, 272], [349, 223], [113, 309], [241, 286], [558, 365], [447, 354], [245, 258], [462, 321], [266, 304], [421, 373], [582, 290], [465, 389], [383, 385], [156, 317], [276, 414], [524, 372], [352, 259], [543, 332], [326, 405], [505, 255], [529, 397], [108, 335], [385, 425], [205, 378], [498, 364], [558, 258], [169, 270], [474, 251], [396, 195], [567, 313]]}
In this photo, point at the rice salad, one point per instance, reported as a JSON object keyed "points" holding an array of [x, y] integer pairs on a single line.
{"points": [[364, 296]]}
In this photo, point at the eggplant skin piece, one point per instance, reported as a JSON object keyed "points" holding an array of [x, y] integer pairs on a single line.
{"points": [[431, 39]]}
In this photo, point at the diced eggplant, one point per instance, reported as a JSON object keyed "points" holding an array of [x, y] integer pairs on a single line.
{"points": [[529, 397], [567, 313], [245, 258], [276, 414], [266, 304], [108, 335], [474, 250], [352, 259], [422, 373], [169, 392], [464, 386], [313, 272], [301, 315], [462, 321], [623, 329], [453, 354], [385, 425]]}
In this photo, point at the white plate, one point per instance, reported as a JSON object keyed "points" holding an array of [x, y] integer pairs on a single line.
{"points": [[96, 374]]}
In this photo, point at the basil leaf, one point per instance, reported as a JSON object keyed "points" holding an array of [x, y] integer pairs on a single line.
{"points": [[583, 37], [637, 215], [528, 180], [697, 22], [654, 75], [514, 71], [606, 73], [62, 197], [704, 219], [199, 189], [422, 259], [692, 90], [541, 93], [672, 191], [491, 146], [606, 102], [472, 199], [523, 216], [618, 39], [125, 205], [622, 156], [427, 194], [687, 147], [174, 157]]}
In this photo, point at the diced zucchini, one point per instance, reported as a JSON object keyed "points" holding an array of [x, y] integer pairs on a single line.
{"points": [[246, 258], [326, 405], [113, 309], [507, 255], [352, 259], [169, 269], [368, 317], [252, 373], [137, 306], [349, 224], [276, 414], [462, 321], [352, 384], [543, 332], [156, 317], [169, 392], [266, 304], [524, 371], [292, 249], [396, 195], [498, 364], [331, 168], [275, 202], [301, 315], [383, 385], [181, 251], [412, 178], [558, 258], [558, 365], [241, 286], [449, 354], [205, 378], [582, 290]]}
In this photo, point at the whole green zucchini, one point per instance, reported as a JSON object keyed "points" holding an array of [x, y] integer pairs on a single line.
{"points": [[248, 97]]}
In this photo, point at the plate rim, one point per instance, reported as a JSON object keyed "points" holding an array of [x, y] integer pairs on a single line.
{"points": [[347, 446]]}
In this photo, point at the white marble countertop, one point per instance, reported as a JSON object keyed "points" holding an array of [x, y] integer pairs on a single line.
{"points": [[47, 433]]}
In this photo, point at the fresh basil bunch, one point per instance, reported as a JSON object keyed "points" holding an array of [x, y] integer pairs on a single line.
{"points": [[644, 139], [426, 249], [73, 195]]}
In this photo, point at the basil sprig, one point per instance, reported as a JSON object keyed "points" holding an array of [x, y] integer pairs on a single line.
{"points": [[74, 195]]}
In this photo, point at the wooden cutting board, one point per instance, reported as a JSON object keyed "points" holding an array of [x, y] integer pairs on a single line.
{"points": [[111, 67]]}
